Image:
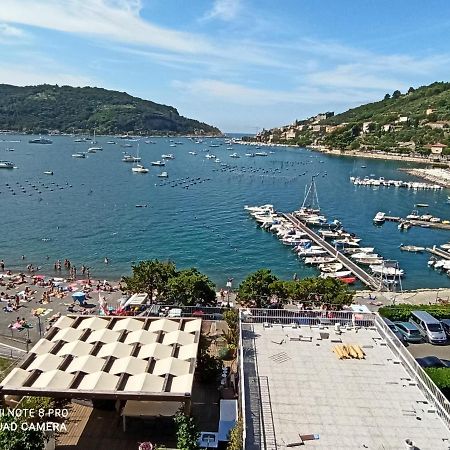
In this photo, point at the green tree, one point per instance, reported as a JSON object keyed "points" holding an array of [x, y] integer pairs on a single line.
{"points": [[15, 434], [236, 441], [190, 287], [396, 94], [187, 433], [411, 90], [387, 97], [152, 277], [256, 287]]}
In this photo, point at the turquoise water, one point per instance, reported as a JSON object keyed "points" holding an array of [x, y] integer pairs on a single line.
{"points": [[87, 210]]}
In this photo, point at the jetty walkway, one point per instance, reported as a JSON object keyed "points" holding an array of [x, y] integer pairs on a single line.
{"points": [[362, 275], [419, 223]]}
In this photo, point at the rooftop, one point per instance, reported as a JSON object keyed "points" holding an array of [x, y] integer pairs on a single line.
{"points": [[110, 357], [299, 388]]}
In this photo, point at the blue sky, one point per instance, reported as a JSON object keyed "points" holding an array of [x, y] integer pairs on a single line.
{"points": [[238, 64]]}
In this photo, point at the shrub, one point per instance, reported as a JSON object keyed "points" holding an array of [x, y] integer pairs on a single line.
{"points": [[441, 378], [403, 312]]}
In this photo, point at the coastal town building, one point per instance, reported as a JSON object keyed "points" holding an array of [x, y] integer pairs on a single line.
{"points": [[430, 111], [367, 127], [299, 389], [436, 150]]}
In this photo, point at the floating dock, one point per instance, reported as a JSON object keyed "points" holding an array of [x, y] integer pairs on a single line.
{"points": [[419, 223], [438, 252], [362, 275]]}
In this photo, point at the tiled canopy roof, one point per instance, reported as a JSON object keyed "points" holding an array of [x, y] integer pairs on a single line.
{"points": [[122, 356]]}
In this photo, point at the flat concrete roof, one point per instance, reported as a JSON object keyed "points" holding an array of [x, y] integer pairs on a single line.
{"points": [[303, 388]]}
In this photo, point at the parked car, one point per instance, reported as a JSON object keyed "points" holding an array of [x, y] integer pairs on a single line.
{"points": [[432, 361], [410, 332], [430, 328], [395, 330], [446, 326]]}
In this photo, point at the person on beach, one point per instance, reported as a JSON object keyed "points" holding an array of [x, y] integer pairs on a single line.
{"points": [[2, 265]]}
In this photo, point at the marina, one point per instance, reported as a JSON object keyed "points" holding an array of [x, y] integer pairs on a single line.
{"points": [[415, 185], [195, 215]]}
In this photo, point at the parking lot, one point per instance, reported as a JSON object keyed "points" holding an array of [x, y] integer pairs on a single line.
{"points": [[425, 349]]}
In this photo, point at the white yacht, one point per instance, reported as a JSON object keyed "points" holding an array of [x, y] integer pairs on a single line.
{"points": [[95, 149], [139, 168], [6, 165], [169, 156], [261, 154], [192, 153], [158, 163], [380, 218], [79, 155], [130, 158], [234, 155], [163, 175]]}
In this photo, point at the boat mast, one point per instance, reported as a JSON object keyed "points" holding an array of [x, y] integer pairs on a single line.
{"points": [[311, 199]]}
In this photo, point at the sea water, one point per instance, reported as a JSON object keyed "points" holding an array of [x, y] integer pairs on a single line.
{"points": [[87, 212]]}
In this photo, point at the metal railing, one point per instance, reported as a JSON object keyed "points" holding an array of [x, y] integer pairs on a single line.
{"points": [[424, 382], [306, 317]]}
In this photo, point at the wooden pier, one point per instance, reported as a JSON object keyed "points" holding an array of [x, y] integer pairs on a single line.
{"points": [[419, 223], [438, 252], [362, 275]]}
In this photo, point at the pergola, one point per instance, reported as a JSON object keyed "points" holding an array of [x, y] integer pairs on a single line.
{"points": [[119, 358]]}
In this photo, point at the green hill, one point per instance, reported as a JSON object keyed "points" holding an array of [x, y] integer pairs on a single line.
{"points": [[405, 123], [44, 108]]}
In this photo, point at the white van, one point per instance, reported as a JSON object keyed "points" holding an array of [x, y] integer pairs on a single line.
{"points": [[429, 327]]}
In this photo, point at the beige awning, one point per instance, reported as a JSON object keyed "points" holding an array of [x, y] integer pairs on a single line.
{"points": [[104, 336], [128, 324], [94, 323], [182, 384], [44, 362], [145, 382], [64, 322], [188, 351], [100, 381], [15, 378], [42, 346], [117, 349], [171, 365], [192, 326], [86, 364], [67, 335], [178, 337], [141, 336], [155, 350], [129, 365], [54, 379], [75, 348], [166, 325]]}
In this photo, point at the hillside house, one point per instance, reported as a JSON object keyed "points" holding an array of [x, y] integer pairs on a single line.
{"points": [[366, 127], [403, 119], [291, 133], [430, 111], [323, 116], [387, 128], [436, 151]]}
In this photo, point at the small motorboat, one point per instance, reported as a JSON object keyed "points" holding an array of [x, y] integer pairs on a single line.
{"points": [[158, 163], [412, 248], [48, 172], [79, 155], [380, 218], [6, 165], [163, 175], [169, 156], [139, 168]]}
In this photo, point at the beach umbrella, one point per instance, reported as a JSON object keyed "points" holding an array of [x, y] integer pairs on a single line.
{"points": [[16, 378], [103, 335], [79, 295], [42, 346], [183, 383]]}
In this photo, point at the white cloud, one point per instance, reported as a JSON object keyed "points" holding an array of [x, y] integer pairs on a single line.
{"points": [[116, 20], [12, 35], [23, 75], [224, 10]]}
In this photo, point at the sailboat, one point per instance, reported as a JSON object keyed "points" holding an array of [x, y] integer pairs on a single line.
{"points": [[94, 149], [139, 168]]}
